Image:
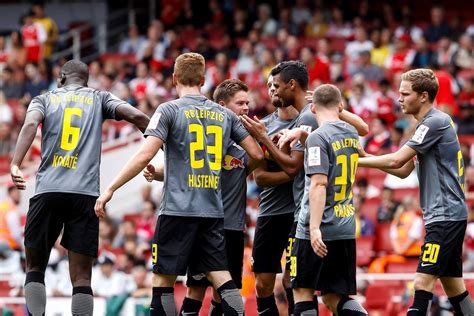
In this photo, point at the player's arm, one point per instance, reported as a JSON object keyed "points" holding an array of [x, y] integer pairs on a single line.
{"points": [[134, 166], [132, 115], [290, 163], [356, 121], [25, 139], [264, 178], [317, 200], [252, 165], [253, 150], [394, 160], [156, 173], [402, 172]]}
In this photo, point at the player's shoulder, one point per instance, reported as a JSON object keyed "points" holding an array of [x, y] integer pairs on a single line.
{"points": [[436, 119], [270, 118]]}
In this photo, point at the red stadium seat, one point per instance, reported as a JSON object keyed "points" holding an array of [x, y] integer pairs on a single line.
{"points": [[382, 238], [378, 297], [399, 194], [365, 250], [406, 267]]}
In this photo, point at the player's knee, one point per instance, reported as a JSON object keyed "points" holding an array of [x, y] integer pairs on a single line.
{"points": [[453, 286], [424, 282], [196, 293], [264, 286], [331, 301]]}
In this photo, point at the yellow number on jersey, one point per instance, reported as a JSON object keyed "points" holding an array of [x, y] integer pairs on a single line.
{"points": [[342, 179], [70, 134], [215, 149]]}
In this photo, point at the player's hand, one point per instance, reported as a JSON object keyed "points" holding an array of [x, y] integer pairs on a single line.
{"points": [[290, 137], [254, 126], [17, 177], [149, 173], [309, 95], [317, 242], [103, 199]]}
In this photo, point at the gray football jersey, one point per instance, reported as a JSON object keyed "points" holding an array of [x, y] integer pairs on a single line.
{"points": [[234, 187], [307, 121], [440, 168], [196, 133], [278, 199], [72, 138], [331, 150]]}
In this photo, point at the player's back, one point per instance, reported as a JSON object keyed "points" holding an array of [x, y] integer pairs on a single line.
{"points": [[72, 138], [332, 149], [197, 133]]}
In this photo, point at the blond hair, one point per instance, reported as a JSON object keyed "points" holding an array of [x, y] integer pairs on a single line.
{"points": [[423, 80], [189, 69]]}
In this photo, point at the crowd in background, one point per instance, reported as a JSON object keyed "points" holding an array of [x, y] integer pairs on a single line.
{"points": [[362, 49]]}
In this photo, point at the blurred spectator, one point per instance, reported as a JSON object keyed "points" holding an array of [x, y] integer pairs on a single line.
{"points": [[95, 70], [142, 282], [107, 281], [285, 22], [365, 190], [463, 57], [127, 231], [386, 103], [447, 89], [6, 114], [204, 48], [154, 47], [468, 263], [10, 228], [34, 36], [356, 47], [402, 57], [465, 120], [50, 28], [318, 27], [388, 206], [109, 82], [424, 56], [240, 26], [35, 83], [361, 103], [364, 226], [9, 260], [469, 179], [7, 142], [265, 24], [217, 73], [406, 230], [3, 52], [143, 85], [378, 141], [17, 53], [245, 61], [338, 27], [382, 46], [366, 68], [133, 42], [147, 221], [318, 70], [107, 232], [407, 27], [445, 52], [300, 13], [438, 27]]}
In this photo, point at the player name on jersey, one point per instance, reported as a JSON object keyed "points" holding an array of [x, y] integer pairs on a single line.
{"points": [[203, 181]]}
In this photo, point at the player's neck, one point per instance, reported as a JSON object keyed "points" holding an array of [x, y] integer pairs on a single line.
{"points": [[423, 110], [326, 115], [300, 101], [287, 113], [187, 90]]}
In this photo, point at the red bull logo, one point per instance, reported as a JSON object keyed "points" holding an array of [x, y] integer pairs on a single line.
{"points": [[231, 162]]}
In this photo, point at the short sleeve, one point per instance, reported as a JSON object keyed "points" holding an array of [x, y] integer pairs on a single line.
{"points": [[110, 102], [161, 122], [316, 155], [37, 104], [238, 131], [427, 134], [306, 121]]}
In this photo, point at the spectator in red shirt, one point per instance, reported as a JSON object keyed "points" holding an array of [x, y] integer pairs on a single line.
{"points": [[378, 141], [386, 102], [445, 97], [318, 71], [34, 36]]}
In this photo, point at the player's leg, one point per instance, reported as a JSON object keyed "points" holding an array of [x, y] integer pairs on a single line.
{"points": [[451, 271], [81, 239], [424, 285], [172, 245], [271, 237], [196, 284], [338, 278], [212, 258], [80, 270], [43, 227], [304, 270]]}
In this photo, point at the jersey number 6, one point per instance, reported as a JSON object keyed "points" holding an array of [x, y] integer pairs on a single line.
{"points": [[70, 134]]}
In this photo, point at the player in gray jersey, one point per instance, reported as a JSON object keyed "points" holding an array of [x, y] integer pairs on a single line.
{"points": [[276, 210], [291, 83], [324, 254], [236, 165], [67, 182], [196, 133], [440, 168]]}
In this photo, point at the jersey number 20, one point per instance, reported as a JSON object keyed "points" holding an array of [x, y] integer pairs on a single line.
{"points": [[215, 149], [70, 134]]}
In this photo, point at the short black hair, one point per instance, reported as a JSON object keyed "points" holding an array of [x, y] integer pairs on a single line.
{"points": [[292, 69], [76, 68]]}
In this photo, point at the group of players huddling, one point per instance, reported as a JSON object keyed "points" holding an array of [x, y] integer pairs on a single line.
{"points": [[304, 156]]}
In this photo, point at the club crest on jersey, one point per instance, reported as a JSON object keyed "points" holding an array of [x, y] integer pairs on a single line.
{"points": [[231, 162], [314, 156], [154, 121]]}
